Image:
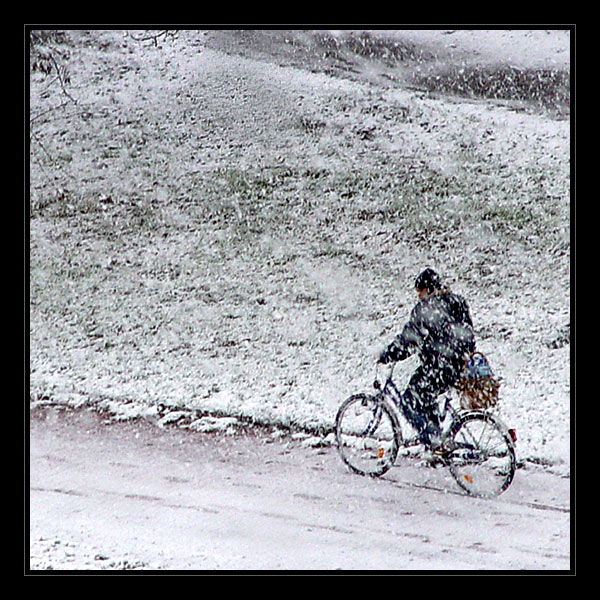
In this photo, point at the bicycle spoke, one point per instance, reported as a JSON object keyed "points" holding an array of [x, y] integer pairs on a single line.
{"points": [[482, 459], [367, 435]]}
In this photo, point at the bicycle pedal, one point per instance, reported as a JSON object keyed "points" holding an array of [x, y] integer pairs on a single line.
{"points": [[431, 460]]}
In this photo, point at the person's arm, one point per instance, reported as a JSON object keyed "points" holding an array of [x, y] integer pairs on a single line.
{"points": [[406, 343]]}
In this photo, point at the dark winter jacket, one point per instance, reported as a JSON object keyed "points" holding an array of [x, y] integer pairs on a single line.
{"points": [[440, 330]]}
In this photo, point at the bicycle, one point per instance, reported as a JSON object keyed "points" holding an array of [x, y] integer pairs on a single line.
{"points": [[477, 448]]}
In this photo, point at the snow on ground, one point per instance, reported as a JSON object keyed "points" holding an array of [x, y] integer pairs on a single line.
{"points": [[130, 496]]}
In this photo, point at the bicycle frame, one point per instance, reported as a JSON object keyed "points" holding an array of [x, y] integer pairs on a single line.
{"points": [[389, 391]]}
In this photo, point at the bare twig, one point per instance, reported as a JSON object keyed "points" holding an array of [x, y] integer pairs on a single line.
{"points": [[49, 110], [153, 37], [61, 79]]}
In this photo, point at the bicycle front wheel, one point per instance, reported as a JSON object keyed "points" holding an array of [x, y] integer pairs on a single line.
{"points": [[367, 434], [481, 455]]}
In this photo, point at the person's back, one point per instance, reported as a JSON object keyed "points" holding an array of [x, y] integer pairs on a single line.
{"points": [[440, 330]]}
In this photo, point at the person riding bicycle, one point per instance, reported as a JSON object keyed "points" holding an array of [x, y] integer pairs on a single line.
{"points": [[440, 330]]}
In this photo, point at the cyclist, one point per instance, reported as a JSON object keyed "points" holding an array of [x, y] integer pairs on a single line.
{"points": [[440, 330]]}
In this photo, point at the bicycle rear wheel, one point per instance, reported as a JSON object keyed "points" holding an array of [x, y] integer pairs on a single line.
{"points": [[481, 454], [367, 434]]}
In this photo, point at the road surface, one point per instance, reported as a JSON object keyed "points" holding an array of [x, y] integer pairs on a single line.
{"points": [[130, 495]]}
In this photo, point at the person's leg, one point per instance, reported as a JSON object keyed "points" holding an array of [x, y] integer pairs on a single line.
{"points": [[420, 406]]}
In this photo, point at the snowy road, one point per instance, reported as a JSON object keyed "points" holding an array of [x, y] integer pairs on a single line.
{"points": [[131, 495]]}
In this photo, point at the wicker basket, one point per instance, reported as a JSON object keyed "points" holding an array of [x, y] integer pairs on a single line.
{"points": [[478, 392]]}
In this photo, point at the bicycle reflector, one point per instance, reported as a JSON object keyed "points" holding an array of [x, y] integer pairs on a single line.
{"points": [[513, 435]]}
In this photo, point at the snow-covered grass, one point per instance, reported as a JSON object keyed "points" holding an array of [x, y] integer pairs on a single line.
{"points": [[217, 237]]}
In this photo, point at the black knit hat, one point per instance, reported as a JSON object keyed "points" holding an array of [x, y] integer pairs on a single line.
{"points": [[428, 280]]}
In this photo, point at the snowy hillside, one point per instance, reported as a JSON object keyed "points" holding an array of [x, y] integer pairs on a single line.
{"points": [[230, 224]]}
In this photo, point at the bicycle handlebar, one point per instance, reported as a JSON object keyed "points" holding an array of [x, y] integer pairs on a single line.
{"points": [[390, 371]]}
